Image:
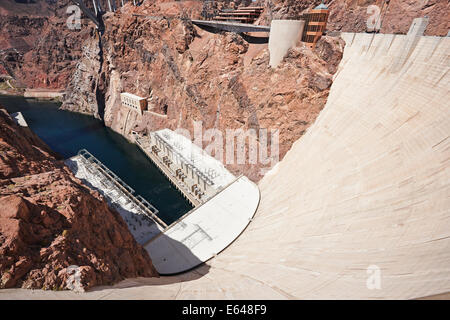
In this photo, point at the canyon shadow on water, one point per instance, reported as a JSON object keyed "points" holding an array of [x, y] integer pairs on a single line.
{"points": [[67, 132]]}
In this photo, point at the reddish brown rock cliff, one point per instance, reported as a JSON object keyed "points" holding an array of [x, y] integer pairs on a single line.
{"points": [[36, 46], [38, 49], [351, 15], [52, 228], [222, 79]]}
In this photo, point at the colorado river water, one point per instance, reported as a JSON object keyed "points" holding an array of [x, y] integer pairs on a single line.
{"points": [[67, 132]]}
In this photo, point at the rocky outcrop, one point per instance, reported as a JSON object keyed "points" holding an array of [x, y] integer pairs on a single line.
{"points": [[188, 74], [52, 61], [222, 79], [86, 79], [351, 15], [36, 45], [56, 233]]}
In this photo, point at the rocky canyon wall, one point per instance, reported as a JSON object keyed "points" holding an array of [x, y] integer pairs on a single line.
{"points": [[188, 74], [53, 229], [352, 15], [220, 79], [37, 47]]}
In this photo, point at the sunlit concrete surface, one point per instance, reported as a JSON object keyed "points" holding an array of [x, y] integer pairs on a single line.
{"points": [[205, 231], [189, 153], [367, 185], [19, 119], [284, 34], [43, 93], [141, 226]]}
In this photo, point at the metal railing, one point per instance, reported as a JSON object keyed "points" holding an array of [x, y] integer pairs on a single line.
{"points": [[92, 162]]}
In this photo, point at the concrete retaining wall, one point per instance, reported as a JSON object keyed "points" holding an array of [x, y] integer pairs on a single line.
{"points": [[43, 94]]}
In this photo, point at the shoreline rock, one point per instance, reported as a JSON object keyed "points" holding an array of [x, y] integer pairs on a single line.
{"points": [[56, 233]]}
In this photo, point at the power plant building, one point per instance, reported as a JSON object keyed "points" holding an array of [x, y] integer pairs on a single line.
{"points": [[206, 175], [195, 173]]}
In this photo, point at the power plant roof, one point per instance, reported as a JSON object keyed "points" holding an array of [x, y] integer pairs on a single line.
{"points": [[197, 157]]}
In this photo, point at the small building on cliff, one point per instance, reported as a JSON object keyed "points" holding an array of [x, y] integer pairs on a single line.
{"points": [[133, 102]]}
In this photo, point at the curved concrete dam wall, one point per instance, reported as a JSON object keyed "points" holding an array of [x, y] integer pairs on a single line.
{"points": [[364, 193]]}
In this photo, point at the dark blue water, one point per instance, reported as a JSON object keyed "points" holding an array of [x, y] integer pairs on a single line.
{"points": [[67, 132]]}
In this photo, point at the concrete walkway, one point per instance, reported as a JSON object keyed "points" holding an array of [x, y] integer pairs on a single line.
{"points": [[206, 230]]}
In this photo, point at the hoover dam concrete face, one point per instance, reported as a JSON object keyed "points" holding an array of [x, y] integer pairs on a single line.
{"points": [[358, 208]]}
